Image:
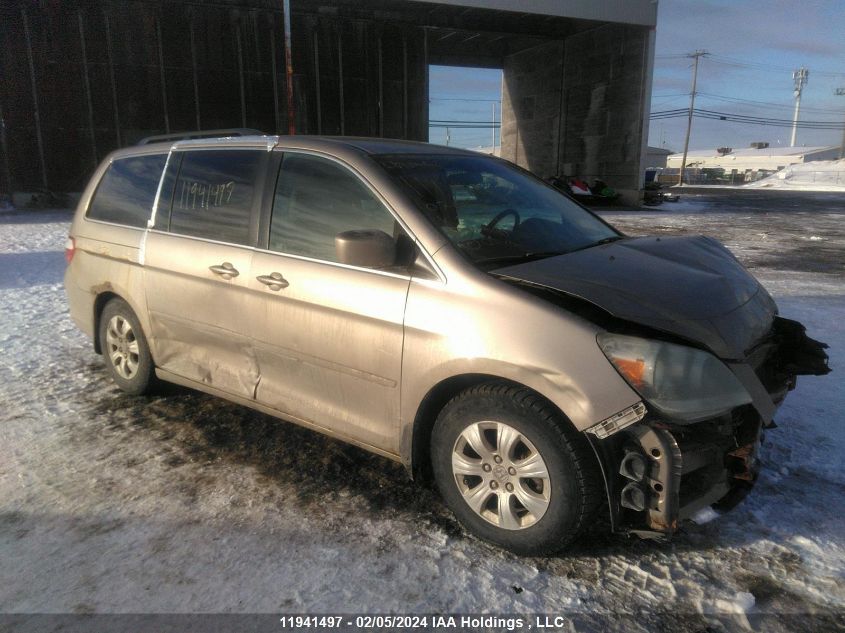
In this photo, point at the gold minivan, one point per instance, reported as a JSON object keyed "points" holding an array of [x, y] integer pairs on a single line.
{"points": [[444, 309]]}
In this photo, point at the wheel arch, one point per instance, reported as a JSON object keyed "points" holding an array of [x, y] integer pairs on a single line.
{"points": [[418, 457], [102, 299], [100, 302]]}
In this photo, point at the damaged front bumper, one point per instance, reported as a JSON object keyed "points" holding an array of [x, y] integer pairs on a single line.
{"points": [[660, 472]]}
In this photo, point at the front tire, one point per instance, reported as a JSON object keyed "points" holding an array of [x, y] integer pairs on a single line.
{"points": [[513, 470], [125, 349]]}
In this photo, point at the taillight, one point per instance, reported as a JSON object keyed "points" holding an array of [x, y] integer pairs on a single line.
{"points": [[70, 249]]}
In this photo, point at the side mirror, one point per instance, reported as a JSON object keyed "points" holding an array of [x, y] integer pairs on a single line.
{"points": [[368, 248]]}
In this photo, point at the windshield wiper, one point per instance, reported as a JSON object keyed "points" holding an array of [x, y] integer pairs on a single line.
{"points": [[522, 257], [605, 240], [608, 240]]}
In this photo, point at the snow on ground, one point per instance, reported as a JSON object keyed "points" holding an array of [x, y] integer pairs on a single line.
{"points": [[186, 503], [817, 175]]}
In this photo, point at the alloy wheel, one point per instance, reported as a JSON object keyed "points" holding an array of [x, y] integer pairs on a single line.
{"points": [[122, 347], [501, 475]]}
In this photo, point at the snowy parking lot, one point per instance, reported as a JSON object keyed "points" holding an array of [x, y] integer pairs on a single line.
{"points": [[186, 503]]}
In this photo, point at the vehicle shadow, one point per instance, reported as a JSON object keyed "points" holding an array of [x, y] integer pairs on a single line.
{"points": [[317, 471], [36, 216], [298, 463], [34, 268]]}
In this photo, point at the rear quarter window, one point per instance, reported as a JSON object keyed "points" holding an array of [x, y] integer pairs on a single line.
{"points": [[127, 190]]}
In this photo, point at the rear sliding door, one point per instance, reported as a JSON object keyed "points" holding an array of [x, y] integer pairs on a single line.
{"points": [[197, 264]]}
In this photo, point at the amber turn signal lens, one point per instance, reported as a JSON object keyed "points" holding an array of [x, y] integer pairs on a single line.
{"points": [[633, 369]]}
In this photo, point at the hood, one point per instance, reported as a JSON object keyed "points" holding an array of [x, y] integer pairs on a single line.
{"points": [[692, 287]]}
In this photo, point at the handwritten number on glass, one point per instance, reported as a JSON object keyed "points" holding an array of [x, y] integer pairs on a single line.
{"points": [[200, 195]]}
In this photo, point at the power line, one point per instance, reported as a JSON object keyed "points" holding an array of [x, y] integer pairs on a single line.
{"points": [[465, 125], [770, 119], [464, 99], [463, 121], [741, 118], [670, 96], [760, 66], [765, 104], [669, 114], [745, 63]]}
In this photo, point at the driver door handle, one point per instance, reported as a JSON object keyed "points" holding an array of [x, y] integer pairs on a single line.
{"points": [[274, 280], [225, 270]]}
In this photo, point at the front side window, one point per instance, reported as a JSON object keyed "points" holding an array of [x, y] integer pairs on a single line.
{"points": [[127, 190], [492, 211], [318, 204], [213, 194]]}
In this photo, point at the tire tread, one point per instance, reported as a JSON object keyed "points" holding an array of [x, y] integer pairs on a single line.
{"points": [[589, 479]]}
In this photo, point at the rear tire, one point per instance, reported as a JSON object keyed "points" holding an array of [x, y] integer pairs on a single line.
{"points": [[125, 349], [513, 471]]}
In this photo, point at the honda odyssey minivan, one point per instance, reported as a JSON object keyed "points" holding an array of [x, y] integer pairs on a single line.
{"points": [[447, 310]]}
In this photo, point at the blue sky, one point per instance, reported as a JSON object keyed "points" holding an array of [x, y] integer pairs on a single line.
{"points": [[773, 37], [461, 94]]}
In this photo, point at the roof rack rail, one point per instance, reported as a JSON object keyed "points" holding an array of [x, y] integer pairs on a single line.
{"points": [[186, 136]]}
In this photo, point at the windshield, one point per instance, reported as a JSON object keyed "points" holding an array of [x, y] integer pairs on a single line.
{"points": [[493, 211]]}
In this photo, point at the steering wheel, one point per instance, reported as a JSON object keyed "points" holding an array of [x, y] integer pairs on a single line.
{"points": [[489, 228]]}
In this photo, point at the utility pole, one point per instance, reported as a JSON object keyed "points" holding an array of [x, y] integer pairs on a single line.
{"points": [[696, 56], [494, 127], [800, 79], [288, 68], [841, 93]]}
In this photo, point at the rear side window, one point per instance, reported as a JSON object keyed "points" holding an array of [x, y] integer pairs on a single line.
{"points": [[127, 190], [315, 200], [214, 193]]}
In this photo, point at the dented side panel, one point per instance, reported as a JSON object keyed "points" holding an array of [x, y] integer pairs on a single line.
{"points": [[329, 345], [197, 319], [106, 261]]}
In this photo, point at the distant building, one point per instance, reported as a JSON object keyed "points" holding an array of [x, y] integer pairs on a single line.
{"points": [[655, 157], [747, 164]]}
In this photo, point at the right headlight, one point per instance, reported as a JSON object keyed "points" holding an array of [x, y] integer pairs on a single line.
{"points": [[681, 382]]}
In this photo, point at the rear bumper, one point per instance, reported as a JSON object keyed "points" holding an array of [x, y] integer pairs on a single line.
{"points": [[80, 304]]}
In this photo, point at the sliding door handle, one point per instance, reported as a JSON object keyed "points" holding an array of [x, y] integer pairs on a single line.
{"points": [[274, 280], [225, 270]]}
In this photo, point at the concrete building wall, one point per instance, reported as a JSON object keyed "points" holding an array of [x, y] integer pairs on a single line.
{"points": [[359, 78], [81, 78], [629, 11]]}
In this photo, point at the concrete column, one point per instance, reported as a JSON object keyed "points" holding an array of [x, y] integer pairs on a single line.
{"points": [[531, 108], [606, 100]]}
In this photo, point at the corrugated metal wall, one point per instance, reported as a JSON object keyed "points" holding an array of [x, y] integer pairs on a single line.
{"points": [[82, 78]]}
